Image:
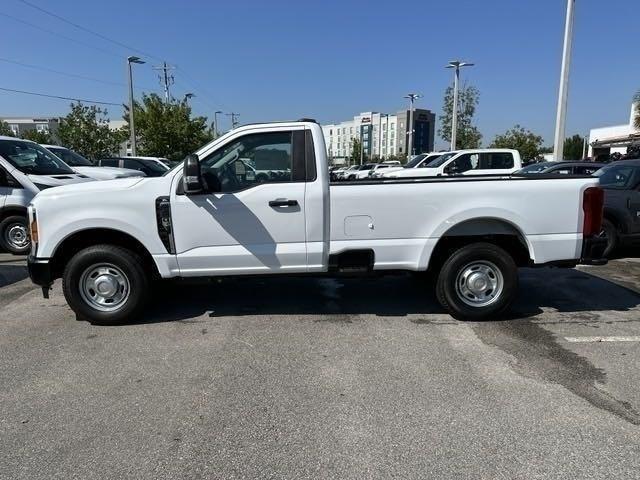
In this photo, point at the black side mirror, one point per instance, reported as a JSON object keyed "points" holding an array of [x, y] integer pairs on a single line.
{"points": [[192, 177]]}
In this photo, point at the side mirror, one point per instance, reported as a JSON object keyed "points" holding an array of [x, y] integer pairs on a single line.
{"points": [[192, 177], [4, 178]]}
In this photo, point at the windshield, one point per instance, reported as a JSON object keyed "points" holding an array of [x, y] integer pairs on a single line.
{"points": [[440, 160], [154, 166], [618, 176], [415, 161], [31, 158], [70, 157], [536, 167]]}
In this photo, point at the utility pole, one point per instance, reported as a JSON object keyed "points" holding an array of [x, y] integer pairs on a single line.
{"points": [[216, 134], [457, 64], [132, 128], [412, 97], [563, 91], [166, 79], [234, 119]]}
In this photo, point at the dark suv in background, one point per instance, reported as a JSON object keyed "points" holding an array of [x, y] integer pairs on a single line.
{"points": [[621, 183]]}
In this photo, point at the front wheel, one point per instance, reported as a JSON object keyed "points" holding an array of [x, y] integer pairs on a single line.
{"points": [[106, 284], [14, 235], [478, 282]]}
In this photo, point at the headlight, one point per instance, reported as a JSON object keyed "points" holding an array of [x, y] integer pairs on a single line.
{"points": [[33, 228]]}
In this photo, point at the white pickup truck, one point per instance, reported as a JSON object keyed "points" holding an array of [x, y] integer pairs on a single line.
{"points": [[481, 161], [208, 218]]}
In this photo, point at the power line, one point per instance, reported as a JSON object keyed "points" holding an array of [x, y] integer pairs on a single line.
{"points": [[72, 75], [85, 29], [82, 100], [56, 34]]}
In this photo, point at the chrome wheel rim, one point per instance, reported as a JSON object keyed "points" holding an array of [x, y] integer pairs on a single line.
{"points": [[104, 287], [17, 236], [479, 283]]}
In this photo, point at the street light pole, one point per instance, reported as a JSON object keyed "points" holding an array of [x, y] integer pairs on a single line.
{"points": [[412, 97], [132, 128], [215, 123], [563, 91], [188, 96], [456, 64]]}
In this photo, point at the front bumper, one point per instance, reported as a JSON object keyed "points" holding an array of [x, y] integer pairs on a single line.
{"points": [[593, 251], [40, 271]]}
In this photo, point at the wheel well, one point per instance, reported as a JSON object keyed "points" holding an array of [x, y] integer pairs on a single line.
{"points": [[10, 211], [617, 222], [489, 230], [99, 236]]}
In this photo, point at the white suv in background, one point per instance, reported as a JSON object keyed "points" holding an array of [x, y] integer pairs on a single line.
{"points": [[482, 161], [86, 167], [417, 161]]}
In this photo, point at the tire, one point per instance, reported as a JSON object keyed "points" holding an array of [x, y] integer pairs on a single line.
{"points": [[610, 232], [14, 235], [469, 279], [120, 272]]}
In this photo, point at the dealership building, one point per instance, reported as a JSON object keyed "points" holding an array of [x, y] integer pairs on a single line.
{"points": [[382, 135], [614, 139]]}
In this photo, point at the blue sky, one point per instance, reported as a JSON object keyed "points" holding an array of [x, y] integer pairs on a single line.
{"points": [[330, 59]]}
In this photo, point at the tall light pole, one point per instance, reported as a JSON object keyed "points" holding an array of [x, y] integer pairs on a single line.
{"points": [[188, 96], [563, 91], [457, 64], [412, 98], [215, 123], [132, 128]]}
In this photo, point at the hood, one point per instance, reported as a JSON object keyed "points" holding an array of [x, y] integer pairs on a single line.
{"points": [[89, 187], [108, 173], [58, 180]]}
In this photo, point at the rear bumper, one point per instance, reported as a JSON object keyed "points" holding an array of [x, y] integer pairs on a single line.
{"points": [[40, 271], [593, 251]]}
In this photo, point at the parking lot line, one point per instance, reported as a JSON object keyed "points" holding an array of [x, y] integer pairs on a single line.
{"points": [[602, 339]]}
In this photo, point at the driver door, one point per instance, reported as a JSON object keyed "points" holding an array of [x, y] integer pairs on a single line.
{"points": [[255, 220]]}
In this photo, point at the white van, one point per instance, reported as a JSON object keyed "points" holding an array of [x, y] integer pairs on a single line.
{"points": [[481, 161], [25, 169]]}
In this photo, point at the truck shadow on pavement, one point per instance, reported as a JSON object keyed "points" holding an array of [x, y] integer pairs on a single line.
{"points": [[10, 274], [564, 290]]}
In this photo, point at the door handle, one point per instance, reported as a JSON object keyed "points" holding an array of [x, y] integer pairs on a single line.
{"points": [[283, 203]]}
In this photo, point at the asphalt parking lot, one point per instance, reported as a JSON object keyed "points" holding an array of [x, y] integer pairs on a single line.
{"points": [[320, 378]]}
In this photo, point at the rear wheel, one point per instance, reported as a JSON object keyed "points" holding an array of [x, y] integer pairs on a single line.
{"points": [[14, 235], [106, 284], [610, 232], [478, 282]]}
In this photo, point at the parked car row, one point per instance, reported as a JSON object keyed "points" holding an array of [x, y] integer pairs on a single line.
{"points": [[458, 162], [27, 168]]}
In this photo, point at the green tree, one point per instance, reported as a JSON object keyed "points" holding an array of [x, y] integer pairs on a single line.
{"points": [[467, 135], [86, 130], [573, 147], [38, 137], [356, 148], [5, 129], [521, 139], [167, 129]]}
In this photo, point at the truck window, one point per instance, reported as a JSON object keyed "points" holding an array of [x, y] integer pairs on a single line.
{"points": [[250, 160], [32, 159], [109, 162], [496, 161], [468, 161]]}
